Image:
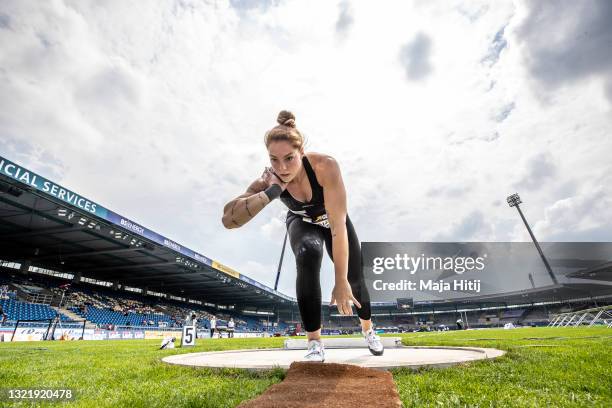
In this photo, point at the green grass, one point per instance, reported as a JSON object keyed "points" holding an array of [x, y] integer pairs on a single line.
{"points": [[557, 367], [565, 367]]}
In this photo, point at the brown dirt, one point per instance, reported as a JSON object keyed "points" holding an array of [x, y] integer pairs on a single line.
{"points": [[326, 385]]}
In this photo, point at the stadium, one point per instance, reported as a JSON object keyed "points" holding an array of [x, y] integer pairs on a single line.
{"points": [[74, 271], [439, 171]]}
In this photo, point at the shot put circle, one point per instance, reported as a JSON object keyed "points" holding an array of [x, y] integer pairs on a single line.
{"points": [[397, 357]]}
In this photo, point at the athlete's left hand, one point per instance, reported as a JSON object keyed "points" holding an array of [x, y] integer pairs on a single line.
{"points": [[269, 177], [342, 296]]}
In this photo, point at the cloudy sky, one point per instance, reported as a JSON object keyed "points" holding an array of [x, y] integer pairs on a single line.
{"points": [[436, 111]]}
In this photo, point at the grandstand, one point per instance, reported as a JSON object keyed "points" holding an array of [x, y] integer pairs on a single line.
{"points": [[64, 255], [17, 310]]}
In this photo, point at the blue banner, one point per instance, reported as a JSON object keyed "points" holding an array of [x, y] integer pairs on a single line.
{"points": [[16, 172]]}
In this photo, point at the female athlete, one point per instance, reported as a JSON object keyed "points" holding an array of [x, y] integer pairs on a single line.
{"points": [[311, 186]]}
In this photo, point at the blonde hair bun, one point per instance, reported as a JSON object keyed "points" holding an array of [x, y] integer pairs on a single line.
{"points": [[286, 118], [285, 131]]}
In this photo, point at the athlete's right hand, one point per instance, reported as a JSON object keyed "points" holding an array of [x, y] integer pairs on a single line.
{"points": [[270, 178]]}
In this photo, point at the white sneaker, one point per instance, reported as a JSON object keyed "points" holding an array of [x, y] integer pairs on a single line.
{"points": [[374, 343], [316, 351]]}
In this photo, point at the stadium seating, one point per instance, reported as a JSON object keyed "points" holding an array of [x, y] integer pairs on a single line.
{"points": [[512, 314], [17, 310], [105, 316], [536, 316]]}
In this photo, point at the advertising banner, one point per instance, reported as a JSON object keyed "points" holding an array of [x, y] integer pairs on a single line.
{"points": [[159, 334]]}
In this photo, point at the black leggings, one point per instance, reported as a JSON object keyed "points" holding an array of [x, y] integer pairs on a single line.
{"points": [[307, 244]]}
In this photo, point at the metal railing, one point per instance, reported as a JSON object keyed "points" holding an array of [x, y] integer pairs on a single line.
{"points": [[589, 317]]}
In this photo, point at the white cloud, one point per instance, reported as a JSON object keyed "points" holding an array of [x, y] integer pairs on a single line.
{"points": [[584, 217], [577, 49], [536, 170], [274, 229], [159, 112]]}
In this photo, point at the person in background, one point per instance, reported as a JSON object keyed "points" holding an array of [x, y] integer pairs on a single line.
{"points": [[3, 315], [230, 328], [213, 326], [193, 321]]}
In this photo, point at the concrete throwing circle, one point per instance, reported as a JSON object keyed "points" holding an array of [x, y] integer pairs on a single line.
{"points": [[264, 359]]}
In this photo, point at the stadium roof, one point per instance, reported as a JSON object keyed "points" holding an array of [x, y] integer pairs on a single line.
{"points": [[573, 289], [45, 225], [599, 272]]}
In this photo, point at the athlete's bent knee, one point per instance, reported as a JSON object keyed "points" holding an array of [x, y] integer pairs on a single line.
{"points": [[308, 251]]}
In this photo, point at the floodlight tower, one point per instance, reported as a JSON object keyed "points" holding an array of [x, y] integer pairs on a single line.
{"points": [[513, 201]]}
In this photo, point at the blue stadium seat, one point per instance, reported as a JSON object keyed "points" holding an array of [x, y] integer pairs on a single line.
{"points": [[105, 316], [17, 310]]}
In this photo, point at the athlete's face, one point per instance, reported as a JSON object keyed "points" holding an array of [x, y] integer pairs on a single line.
{"points": [[285, 159]]}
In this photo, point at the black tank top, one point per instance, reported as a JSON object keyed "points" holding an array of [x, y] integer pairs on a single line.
{"points": [[312, 211]]}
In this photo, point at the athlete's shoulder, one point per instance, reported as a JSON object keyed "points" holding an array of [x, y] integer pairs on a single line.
{"points": [[321, 160], [326, 168]]}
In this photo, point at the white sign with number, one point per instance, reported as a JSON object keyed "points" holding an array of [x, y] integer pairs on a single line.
{"points": [[189, 336]]}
